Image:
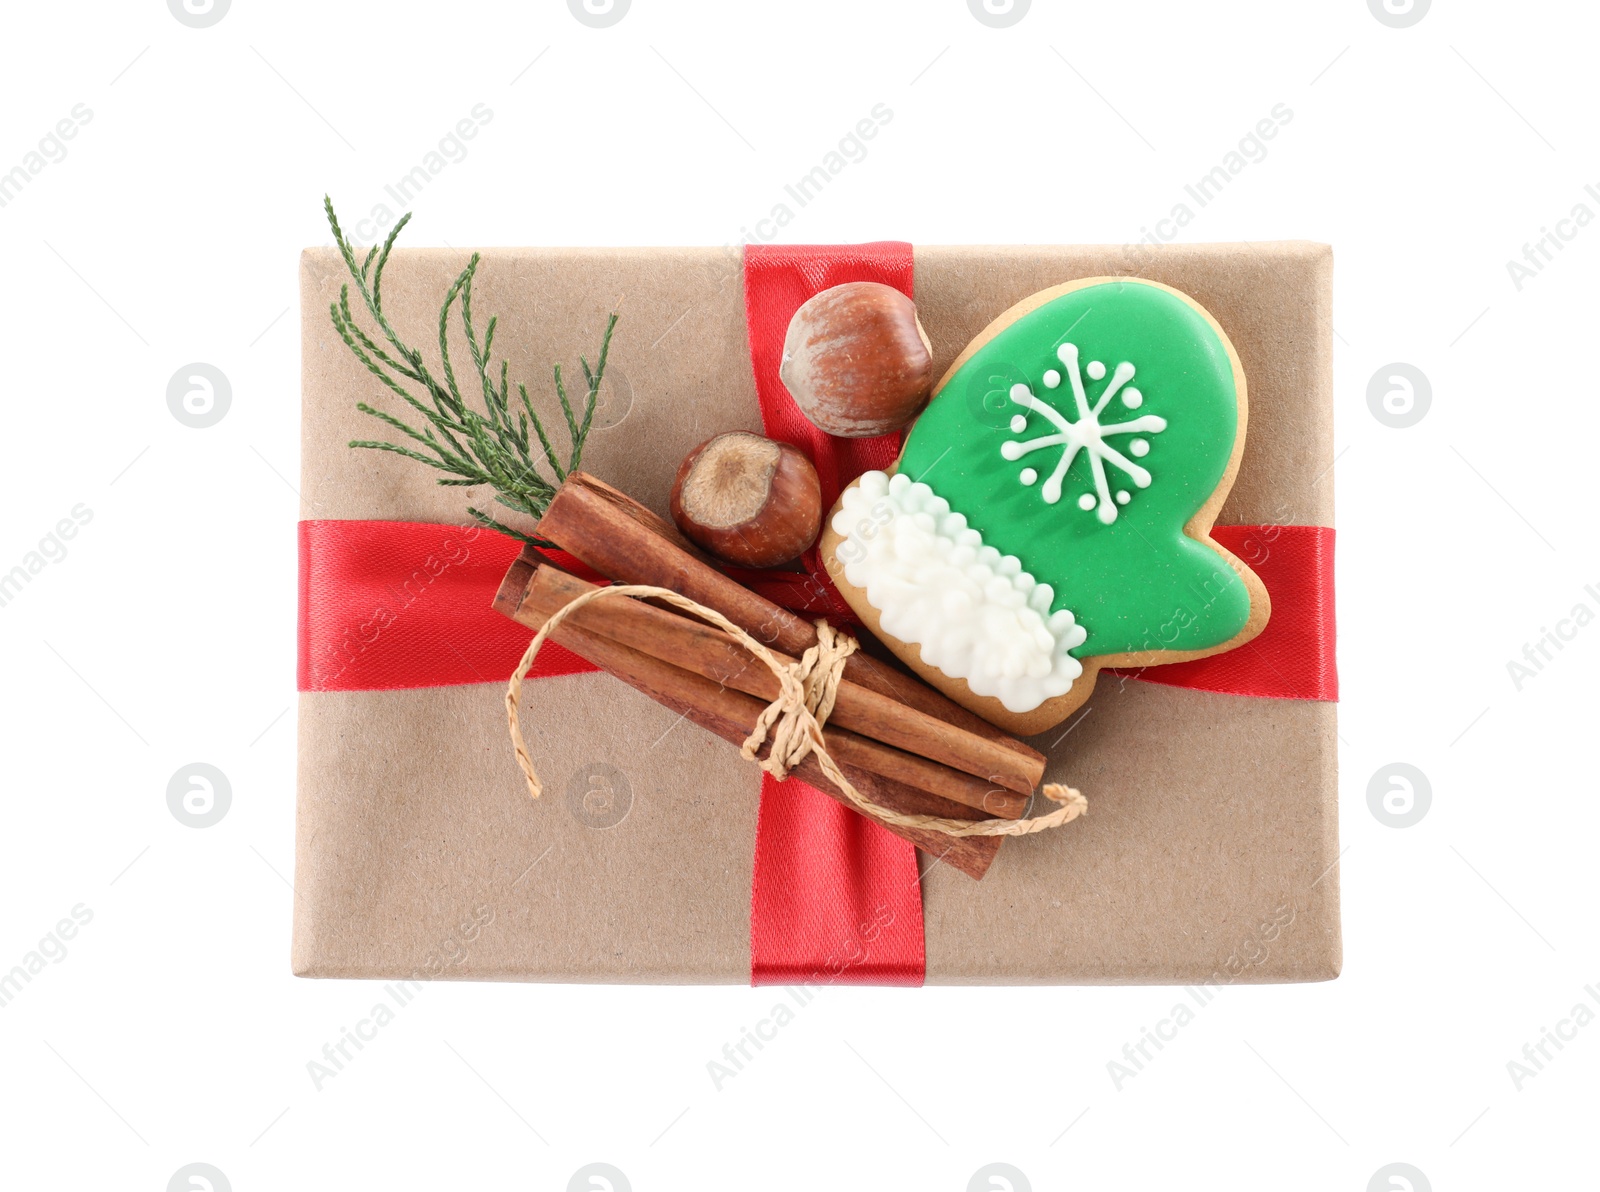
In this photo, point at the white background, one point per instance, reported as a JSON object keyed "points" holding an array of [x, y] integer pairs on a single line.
{"points": [[172, 1033]]}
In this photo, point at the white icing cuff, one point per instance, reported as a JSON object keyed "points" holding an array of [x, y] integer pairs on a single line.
{"points": [[975, 615]]}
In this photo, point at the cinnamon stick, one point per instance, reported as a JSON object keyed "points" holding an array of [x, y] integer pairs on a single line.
{"points": [[731, 714], [624, 541], [926, 753]]}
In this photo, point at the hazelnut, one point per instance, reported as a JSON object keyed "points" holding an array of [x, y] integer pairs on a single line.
{"points": [[748, 500], [857, 360]]}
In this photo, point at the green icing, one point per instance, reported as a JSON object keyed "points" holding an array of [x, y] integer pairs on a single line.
{"points": [[1138, 583]]}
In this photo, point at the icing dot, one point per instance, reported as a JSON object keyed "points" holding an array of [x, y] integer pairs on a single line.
{"points": [[1096, 370], [1132, 398], [1086, 502], [1123, 498], [1051, 378], [1019, 423], [1028, 476], [1139, 447]]}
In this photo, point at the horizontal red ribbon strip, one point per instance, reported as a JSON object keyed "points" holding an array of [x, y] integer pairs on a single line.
{"points": [[389, 604], [1293, 657]]}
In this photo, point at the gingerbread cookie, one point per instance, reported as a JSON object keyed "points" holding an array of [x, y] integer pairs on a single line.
{"points": [[1050, 513]]}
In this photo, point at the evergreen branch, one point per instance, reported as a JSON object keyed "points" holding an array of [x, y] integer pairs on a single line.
{"points": [[484, 519], [375, 445], [472, 448], [444, 329], [538, 428], [367, 341], [582, 436], [424, 439], [348, 336], [480, 356], [442, 425], [566, 406], [383, 259]]}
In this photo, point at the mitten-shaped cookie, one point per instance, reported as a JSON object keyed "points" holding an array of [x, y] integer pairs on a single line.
{"points": [[1050, 513]]}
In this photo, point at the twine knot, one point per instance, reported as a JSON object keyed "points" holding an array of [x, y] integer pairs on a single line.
{"points": [[806, 693]]}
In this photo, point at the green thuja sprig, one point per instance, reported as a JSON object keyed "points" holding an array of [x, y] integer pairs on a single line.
{"points": [[493, 447]]}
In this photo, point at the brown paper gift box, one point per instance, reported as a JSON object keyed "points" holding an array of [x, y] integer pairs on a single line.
{"points": [[1210, 850]]}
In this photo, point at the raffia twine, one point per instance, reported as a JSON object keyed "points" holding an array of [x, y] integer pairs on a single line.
{"points": [[793, 721]]}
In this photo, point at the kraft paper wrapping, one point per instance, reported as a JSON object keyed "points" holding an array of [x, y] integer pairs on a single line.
{"points": [[1210, 849]]}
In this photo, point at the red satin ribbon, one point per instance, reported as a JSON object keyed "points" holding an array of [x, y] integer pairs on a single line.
{"points": [[835, 898], [1292, 658], [387, 605]]}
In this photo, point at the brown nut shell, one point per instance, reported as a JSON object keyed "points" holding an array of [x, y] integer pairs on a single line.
{"points": [[748, 500], [857, 360]]}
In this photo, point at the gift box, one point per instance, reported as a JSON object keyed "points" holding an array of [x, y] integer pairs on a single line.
{"points": [[1209, 851]]}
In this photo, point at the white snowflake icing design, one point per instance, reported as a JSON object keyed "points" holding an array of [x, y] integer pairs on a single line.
{"points": [[1087, 433]]}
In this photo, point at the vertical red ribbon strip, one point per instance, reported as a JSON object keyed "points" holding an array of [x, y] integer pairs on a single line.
{"points": [[834, 897]]}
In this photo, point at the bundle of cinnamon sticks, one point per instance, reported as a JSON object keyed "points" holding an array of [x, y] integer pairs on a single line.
{"points": [[902, 744]]}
